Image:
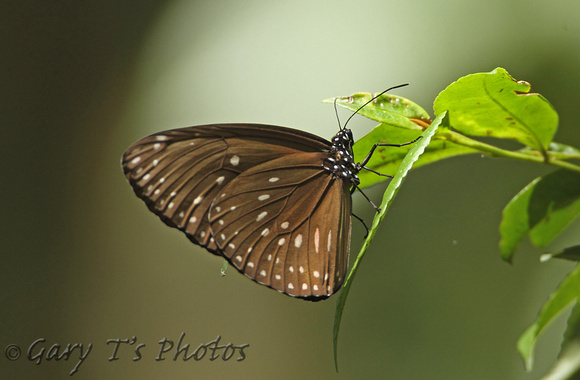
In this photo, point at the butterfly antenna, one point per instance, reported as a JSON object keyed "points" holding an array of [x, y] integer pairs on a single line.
{"points": [[374, 98], [336, 113]]}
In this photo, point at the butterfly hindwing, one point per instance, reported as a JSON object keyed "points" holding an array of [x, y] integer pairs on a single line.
{"points": [[286, 224]]}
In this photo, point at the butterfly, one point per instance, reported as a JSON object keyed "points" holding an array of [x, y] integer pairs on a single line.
{"points": [[275, 202]]}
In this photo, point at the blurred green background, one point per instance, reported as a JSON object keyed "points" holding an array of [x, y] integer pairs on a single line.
{"points": [[84, 261]]}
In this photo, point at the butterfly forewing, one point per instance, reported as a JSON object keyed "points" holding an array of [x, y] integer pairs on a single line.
{"points": [[280, 224], [179, 172]]}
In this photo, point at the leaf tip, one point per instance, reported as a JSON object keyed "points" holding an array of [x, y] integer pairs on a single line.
{"points": [[507, 256]]}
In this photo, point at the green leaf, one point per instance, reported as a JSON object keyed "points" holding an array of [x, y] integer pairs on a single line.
{"points": [[566, 293], [563, 151], [556, 151], [543, 209], [386, 109], [386, 160], [568, 363], [494, 104], [572, 333], [417, 149], [569, 253]]}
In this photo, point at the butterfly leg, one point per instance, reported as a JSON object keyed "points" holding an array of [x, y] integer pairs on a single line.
{"points": [[370, 154], [367, 198], [376, 172], [368, 157], [364, 225]]}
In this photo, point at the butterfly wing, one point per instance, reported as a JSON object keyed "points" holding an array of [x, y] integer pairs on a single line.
{"points": [[178, 173], [286, 224]]}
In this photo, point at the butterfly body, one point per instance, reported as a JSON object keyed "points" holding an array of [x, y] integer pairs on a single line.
{"points": [[274, 201]]}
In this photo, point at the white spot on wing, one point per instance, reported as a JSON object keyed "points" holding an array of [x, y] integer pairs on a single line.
{"points": [[290, 286], [298, 241], [273, 179], [197, 200], [281, 242], [155, 162], [304, 286], [261, 216], [315, 287], [316, 239], [239, 258], [277, 277], [284, 225], [263, 197], [193, 219], [235, 160], [220, 180], [301, 269], [136, 160], [263, 273], [265, 232], [232, 246], [156, 146], [250, 264], [316, 274], [161, 138], [291, 269], [329, 244]]}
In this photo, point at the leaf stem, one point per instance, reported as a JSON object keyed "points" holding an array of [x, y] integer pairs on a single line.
{"points": [[494, 151]]}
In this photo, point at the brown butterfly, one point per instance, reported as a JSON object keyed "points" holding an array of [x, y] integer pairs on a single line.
{"points": [[274, 201]]}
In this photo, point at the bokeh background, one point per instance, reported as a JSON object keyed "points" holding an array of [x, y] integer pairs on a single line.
{"points": [[84, 261]]}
